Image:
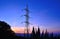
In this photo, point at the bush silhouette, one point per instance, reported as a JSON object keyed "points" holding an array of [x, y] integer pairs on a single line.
{"points": [[5, 31]]}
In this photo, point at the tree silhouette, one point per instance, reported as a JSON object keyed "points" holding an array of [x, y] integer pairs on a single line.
{"points": [[46, 36], [5, 31], [42, 35], [38, 33], [33, 34], [4, 25], [51, 35]]}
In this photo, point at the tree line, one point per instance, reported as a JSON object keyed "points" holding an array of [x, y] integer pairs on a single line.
{"points": [[46, 35], [7, 33]]}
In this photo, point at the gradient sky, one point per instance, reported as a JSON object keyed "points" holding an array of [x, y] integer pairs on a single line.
{"points": [[43, 13]]}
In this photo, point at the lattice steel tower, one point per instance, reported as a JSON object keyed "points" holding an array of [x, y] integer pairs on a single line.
{"points": [[27, 20]]}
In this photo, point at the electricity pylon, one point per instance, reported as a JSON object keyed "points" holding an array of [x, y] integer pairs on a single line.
{"points": [[27, 20]]}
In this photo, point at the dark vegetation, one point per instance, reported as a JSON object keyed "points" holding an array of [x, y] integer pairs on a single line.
{"points": [[7, 33], [43, 35]]}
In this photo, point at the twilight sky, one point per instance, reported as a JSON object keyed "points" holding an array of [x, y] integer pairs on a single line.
{"points": [[43, 13]]}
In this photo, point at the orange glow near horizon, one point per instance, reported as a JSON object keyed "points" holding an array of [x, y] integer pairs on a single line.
{"points": [[21, 30]]}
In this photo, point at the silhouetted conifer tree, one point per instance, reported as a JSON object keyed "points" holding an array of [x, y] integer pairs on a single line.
{"points": [[33, 34], [46, 36], [58, 37], [51, 35], [38, 33], [42, 35]]}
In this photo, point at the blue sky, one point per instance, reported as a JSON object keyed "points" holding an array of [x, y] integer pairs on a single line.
{"points": [[43, 13]]}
